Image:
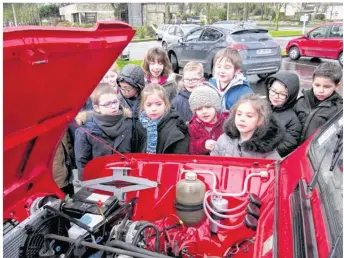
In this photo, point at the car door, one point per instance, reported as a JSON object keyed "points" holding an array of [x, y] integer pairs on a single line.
{"points": [[315, 46], [211, 38], [170, 35], [187, 49], [334, 41]]}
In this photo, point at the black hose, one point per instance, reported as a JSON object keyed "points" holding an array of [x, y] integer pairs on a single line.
{"points": [[157, 239], [100, 247], [63, 215], [133, 248]]}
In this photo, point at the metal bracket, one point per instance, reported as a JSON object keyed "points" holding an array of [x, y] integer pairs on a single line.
{"points": [[119, 174]]}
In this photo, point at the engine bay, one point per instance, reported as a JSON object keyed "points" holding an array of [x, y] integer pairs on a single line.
{"points": [[196, 216]]}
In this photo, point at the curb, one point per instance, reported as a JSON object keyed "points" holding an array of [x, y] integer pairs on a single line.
{"points": [[144, 40]]}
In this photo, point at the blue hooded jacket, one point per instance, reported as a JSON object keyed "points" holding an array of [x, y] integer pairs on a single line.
{"points": [[236, 88]]}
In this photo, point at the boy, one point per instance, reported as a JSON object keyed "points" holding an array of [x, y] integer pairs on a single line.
{"points": [[228, 80], [131, 81], [283, 89], [107, 123], [193, 75], [319, 104]]}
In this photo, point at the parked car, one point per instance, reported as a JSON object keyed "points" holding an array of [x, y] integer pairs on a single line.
{"points": [[161, 30], [175, 32], [324, 41], [206, 206], [125, 55], [260, 53]]}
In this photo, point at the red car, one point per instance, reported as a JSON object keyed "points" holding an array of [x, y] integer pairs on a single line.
{"points": [[144, 205], [325, 41]]}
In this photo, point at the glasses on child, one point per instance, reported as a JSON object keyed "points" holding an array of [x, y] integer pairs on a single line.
{"points": [[193, 80], [109, 104], [126, 89], [280, 95]]}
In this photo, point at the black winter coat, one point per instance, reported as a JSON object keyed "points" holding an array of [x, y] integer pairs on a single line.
{"points": [[173, 136], [286, 114], [313, 114], [182, 106], [87, 148]]}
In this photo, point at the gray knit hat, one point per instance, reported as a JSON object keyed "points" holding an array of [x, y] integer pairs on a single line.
{"points": [[204, 96]]}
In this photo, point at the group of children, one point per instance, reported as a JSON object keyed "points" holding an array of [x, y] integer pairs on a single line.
{"points": [[144, 110]]}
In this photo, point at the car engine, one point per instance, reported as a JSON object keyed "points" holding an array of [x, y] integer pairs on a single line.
{"points": [[97, 225]]}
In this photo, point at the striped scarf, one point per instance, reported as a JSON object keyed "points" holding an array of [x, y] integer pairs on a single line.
{"points": [[151, 127]]}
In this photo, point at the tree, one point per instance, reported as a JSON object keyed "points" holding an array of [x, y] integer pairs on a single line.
{"points": [[181, 8], [198, 8], [278, 7], [167, 13], [48, 11], [26, 14]]}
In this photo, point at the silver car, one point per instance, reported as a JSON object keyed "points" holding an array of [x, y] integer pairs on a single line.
{"points": [[260, 53], [175, 32], [161, 30]]}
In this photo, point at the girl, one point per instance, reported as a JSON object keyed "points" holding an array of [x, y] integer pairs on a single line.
{"points": [[158, 69], [111, 76], [158, 129], [205, 126], [250, 131]]}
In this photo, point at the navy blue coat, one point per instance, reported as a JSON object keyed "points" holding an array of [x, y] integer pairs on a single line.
{"points": [[87, 148], [182, 106]]}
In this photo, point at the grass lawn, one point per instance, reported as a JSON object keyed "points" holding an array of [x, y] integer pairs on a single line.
{"points": [[285, 33], [121, 63]]}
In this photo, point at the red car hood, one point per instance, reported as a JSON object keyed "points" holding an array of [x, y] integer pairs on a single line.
{"points": [[48, 75]]}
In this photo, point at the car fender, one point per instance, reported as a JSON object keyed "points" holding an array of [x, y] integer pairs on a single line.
{"points": [[294, 44]]}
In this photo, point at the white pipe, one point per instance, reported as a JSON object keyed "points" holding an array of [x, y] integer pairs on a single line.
{"points": [[261, 174], [207, 194], [228, 210], [218, 224]]}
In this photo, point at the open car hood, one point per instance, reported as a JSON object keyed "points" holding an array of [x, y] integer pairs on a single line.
{"points": [[49, 73]]}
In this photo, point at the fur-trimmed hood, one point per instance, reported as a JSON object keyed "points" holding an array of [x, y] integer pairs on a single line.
{"points": [[263, 140]]}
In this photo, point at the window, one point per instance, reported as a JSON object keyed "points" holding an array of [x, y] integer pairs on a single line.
{"points": [[76, 17], [179, 32], [336, 31], [319, 32], [194, 35], [171, 30], [211, 35]]}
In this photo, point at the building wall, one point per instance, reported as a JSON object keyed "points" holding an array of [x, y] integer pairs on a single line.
{"points": [[135, 14], [337, 12], [155, 13], [104, 12]]}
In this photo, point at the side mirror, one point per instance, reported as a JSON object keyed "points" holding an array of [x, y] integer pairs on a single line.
{"points": [[306, 36], [180, 41]]}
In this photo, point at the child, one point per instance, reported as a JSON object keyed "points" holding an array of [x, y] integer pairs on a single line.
{"points": [[159, 129], [250, 131], [63, 164], [193, 75], [107, 123], [319, 104], [283, 88], [131, 81], [158, 69], [205, 126], [111, 76], [228, 80]]}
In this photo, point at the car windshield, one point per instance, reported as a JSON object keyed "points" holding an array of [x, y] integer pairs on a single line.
{"points": [[326, 155], [186, 29]]}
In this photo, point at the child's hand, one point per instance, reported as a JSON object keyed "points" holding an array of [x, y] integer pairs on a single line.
{"points": [[210, 144]]}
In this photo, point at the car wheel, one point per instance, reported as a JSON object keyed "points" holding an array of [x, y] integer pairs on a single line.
{"points": [[264, 75], [174, 62], [294, 53], [164, 45], [340, 59]]}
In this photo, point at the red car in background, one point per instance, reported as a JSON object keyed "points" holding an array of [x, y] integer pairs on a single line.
{"points": [[325, 41]]}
